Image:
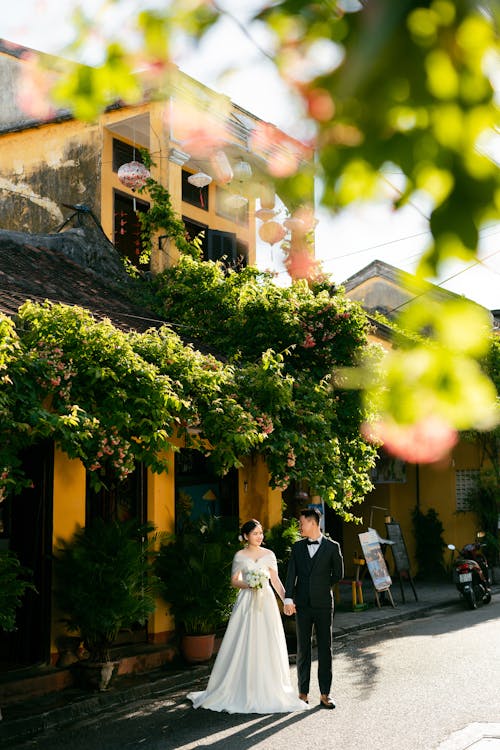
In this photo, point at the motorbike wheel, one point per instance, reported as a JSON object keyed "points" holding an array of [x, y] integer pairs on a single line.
{"points": [[487, 598], [470, 598]]}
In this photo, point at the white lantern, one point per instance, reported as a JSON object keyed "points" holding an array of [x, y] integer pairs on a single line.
{"points": [[236, 201], [200, 179], [242, 171], [133, 175]]}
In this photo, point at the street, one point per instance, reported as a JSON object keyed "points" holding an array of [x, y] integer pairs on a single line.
{"points": [[407, 686]]}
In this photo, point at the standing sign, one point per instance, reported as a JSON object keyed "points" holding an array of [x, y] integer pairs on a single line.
{"points": [[400, 554], [375, 562]]}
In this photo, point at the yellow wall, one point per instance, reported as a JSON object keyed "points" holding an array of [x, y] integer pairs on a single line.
{"points": [[432, 486], [161, 512], [68, 513], [257, 499]]}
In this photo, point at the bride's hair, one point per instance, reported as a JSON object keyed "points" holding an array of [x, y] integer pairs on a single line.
{"points": [[249, 526]]}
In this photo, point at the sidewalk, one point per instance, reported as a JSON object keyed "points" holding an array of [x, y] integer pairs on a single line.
{"points": [[24, 720]]}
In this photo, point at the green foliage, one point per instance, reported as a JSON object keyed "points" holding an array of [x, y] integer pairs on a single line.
{"points": [[14, 582], [284, 343], [430, 544], [105, 582], [161, 216], [194, 568], [409, 89]]}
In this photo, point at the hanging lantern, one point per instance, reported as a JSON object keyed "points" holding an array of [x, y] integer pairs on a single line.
{"points": [[272, 232], [236, 201], [265, 214], [267, 196], [133, 175], [200, 179], [222, 167], [242, 171], [294, 225]]}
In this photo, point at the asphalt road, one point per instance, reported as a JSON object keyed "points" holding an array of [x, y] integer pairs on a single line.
{"points": [[407, 686]]}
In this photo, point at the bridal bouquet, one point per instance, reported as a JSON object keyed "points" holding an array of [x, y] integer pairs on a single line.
{"points": [[256, 579]]}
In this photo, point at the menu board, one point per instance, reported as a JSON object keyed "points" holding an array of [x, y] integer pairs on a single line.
{"points": [[398, 546]]}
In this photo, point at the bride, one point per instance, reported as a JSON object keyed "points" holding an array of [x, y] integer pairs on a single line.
{"points": [[251, 672]]}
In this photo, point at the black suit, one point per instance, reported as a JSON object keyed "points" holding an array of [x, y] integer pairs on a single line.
{"points": [[309, 583]]}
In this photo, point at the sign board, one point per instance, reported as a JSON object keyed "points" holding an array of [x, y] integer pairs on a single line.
{"points": [[398, 547], [372, 552]]}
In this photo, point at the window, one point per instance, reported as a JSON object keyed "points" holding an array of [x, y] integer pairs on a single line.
{"points": [[127, 229], [216, 245], [119, 501], [194, 195], [465, 481], [123, 153], [221, 245]]}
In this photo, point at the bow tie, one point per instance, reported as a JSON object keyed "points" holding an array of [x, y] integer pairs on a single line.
{"points": [[312, 541]]}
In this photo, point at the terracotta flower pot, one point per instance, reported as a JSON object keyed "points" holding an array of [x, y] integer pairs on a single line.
{"points": [[197, 648]]}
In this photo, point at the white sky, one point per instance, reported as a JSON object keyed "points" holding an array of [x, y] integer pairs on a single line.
{"points": [[345, 243]]}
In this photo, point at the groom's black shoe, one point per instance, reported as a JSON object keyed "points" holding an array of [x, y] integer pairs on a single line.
{"points": [[326, 701], [303, 697]]}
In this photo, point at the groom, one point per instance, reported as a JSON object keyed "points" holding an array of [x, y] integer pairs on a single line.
{"points": [[316, 564]]}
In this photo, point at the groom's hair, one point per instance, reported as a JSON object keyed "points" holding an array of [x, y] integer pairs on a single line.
{"points": [[311, 513]]}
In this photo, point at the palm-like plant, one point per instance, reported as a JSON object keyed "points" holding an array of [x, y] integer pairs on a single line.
{"points": [[105, 582], [194, 568]]}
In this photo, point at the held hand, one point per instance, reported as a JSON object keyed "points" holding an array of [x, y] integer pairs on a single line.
{"points": [[289, 609]]}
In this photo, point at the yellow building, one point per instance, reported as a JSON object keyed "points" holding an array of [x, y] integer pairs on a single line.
{"points": [[401, 487], [57, 177]]}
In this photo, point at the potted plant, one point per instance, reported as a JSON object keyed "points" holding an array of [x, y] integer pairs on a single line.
{"points": [[194, 570], [105, 583]]}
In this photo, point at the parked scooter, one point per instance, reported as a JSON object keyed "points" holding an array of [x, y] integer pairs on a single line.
{"points": [[471, 573]]}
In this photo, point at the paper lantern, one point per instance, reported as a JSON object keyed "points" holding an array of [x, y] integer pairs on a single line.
{"points": [[222, 167], [272, 232], [242, 171], [133, 175], [267, 196], [265, 214], [200, 179], [236, 201], [294, 225]]}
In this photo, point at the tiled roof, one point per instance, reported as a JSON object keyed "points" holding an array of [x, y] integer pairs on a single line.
{"points": [[29, 269]]}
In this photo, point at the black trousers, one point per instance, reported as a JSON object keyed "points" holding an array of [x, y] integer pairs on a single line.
{"points": [[321, 619]]}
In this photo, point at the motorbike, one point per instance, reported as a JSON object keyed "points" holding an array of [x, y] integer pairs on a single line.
{"points": [[471, 573]]}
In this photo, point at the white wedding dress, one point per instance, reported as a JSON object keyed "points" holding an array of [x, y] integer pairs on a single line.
{"points": [[251, 672]]}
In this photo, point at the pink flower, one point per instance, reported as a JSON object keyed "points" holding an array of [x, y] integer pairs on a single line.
{"points": [[427, 441], [309, 342]]}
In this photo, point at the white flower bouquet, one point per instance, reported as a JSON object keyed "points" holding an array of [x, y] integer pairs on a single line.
{"points": [[256, 579]]}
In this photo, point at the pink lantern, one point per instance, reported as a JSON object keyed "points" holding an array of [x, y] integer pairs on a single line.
{"points": [[265, 214], [272, 232], [295, 225], [222, 167], [133, 175]]}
